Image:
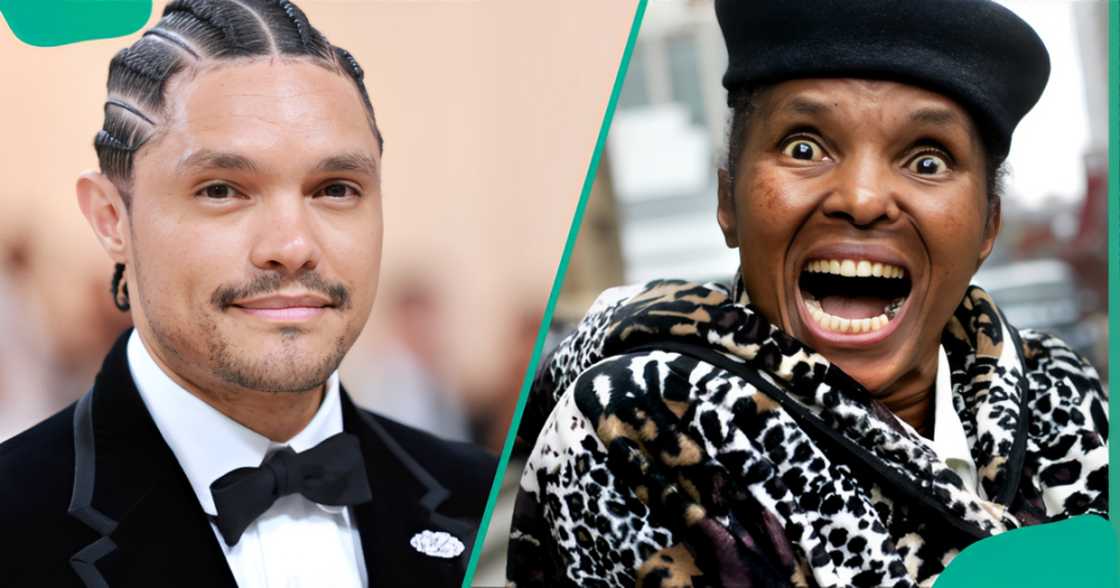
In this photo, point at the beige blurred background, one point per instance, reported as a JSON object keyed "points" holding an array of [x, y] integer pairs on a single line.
{"points": [[490, 111]]}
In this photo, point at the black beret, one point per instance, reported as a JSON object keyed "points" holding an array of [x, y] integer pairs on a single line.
{"points": [[974, 51]]}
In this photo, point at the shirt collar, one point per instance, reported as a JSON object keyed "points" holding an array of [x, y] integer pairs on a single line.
{"points": [[207, 443], [949, 439]]}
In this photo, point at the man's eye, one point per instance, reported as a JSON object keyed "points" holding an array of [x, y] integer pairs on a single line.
{"points": [[217, 191], [928, 164], [804, 149], [339, 190]]}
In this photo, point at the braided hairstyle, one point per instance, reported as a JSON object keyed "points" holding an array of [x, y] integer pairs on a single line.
{"points": [[191, 34]]}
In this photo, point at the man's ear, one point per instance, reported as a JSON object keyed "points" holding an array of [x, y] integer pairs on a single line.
{"points": [[991, 231], [725, 212], [104, 208]]}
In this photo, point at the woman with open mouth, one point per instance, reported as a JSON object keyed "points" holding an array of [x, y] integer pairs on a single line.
{"points": [[849, 411]]}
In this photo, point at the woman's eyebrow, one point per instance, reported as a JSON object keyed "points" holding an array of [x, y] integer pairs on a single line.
{"points": [[936, 116], [804, 106]]}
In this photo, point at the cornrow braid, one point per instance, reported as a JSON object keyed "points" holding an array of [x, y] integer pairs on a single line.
{"points": [[347, 60], [190, 34], [105, 138], [130, 108], [174, 40], [222, 29], [351, 67], [301, 30]]}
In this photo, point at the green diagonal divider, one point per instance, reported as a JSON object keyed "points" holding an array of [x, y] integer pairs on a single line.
{"points": [[557, 284]]}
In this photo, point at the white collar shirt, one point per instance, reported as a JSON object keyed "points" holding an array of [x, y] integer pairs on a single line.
{"points": [[295, 543], [949, 440]]}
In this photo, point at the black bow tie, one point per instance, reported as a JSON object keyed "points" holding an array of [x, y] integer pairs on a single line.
{"points": [[331, 473]]}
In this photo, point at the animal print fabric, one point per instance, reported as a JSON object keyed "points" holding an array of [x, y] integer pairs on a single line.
{"points": [[685, 441]]}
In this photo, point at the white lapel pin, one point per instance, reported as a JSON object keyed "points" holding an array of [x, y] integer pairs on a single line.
{"points": [[437, 544]]}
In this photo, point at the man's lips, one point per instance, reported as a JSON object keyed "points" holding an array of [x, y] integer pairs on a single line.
{"points": [[285, 308]]}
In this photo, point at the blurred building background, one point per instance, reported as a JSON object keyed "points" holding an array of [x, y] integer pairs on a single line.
{"points": [[490, 111], [652, 210]]}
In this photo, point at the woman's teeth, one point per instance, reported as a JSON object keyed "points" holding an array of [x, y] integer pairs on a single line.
{"points": [[893, 292], [855, 268], [841, 324]]}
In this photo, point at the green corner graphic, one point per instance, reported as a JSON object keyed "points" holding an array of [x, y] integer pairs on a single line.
{"points": [[1077, 552], [49, 23]]}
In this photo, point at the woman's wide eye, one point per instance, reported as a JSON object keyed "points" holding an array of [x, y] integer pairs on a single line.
{"points": [[928, 164], [804, 149], [218, 191]]}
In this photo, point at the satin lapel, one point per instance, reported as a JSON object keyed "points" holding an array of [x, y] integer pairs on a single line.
{"points": [[129, 488], [405, 503]]}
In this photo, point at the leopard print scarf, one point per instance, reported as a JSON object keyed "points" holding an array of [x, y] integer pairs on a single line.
{"points": [[686, 441]]}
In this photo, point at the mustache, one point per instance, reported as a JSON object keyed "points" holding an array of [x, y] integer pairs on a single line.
{"points": [[224, 296]]}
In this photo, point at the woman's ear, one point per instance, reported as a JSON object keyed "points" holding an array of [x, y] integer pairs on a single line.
{"points": [[725, 212], [991, 231], [104, 208]]}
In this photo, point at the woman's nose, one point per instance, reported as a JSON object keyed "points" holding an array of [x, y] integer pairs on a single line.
{"points": [[863, 191]]}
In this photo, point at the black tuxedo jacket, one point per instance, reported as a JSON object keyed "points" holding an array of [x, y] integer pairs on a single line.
{"points": [[93, 496]]}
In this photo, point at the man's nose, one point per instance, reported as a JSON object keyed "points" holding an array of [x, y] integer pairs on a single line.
{"points": [[863, 191], [286, 237]]}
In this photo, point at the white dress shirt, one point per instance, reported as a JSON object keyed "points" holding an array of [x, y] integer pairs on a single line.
{"points": [[296, 542], [949, 440]]}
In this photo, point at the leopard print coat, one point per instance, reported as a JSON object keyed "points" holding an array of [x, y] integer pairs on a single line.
{"points": [[685, 441]]}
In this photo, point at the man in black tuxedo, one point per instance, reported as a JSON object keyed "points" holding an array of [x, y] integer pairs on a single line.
{"points": [[239, 194]]}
